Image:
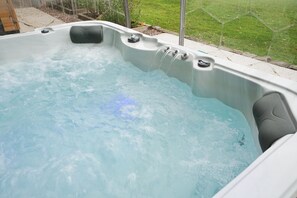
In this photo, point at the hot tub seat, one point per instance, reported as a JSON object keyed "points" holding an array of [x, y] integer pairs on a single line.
{"points": [[274, 119], [86, 34]]}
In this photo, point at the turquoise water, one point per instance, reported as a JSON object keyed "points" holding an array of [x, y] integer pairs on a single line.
{"points": [[85, 123]]}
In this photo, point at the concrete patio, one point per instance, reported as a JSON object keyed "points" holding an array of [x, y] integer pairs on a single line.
{"points": [[233, 57], [31, 18]]}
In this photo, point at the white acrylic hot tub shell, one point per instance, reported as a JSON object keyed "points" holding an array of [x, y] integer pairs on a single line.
{"points": [[273, 174]]}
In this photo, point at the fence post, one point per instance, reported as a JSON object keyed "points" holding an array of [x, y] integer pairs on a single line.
{"points": [[75, 6], [62, 4], [127, 14], [182, 22], [72, 7]]}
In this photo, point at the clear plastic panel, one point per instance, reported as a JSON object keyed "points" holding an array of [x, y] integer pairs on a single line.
{"points": [[265, 28]]}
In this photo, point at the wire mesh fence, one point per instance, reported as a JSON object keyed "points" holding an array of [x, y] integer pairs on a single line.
{"points": [[109, 10], [28, 3]]}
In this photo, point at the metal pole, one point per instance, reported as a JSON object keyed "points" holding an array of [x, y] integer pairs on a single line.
{"points": [[127, 14], [182, 22]]}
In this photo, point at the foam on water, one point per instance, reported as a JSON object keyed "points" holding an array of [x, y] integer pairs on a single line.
{"points": [[85, 123]]}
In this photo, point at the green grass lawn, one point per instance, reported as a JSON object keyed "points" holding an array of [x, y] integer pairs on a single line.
{"points": [[261, 27]]}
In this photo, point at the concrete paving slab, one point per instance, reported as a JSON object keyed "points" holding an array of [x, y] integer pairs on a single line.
{"points": [[222, 54], [240, 59], [173, 39], [276, 70], [233, 57], [263, 67], [31, 18]]}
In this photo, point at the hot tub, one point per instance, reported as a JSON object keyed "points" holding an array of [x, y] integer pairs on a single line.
{"points": [[268, 103]]}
